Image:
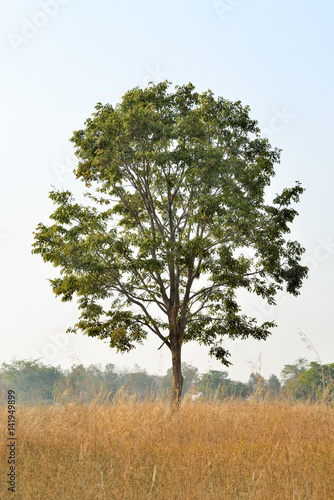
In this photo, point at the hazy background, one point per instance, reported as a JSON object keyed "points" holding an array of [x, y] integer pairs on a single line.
{"points": [[60, 57]]}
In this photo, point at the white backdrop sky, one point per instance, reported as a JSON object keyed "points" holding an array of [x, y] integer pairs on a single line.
{"points": [[61, 57]]}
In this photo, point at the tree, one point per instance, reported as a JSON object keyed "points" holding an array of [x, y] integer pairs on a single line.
{"points": [[291, 377], [256, 385], [273, 386], [189, 374], [31, 380], [310, 381], [111, 380], [190, 377], [140, 383], [216, 383], [212, 382], [318, 380], [176, 198]]}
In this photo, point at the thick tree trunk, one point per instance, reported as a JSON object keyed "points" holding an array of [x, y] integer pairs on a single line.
{"points": [[177, 381]]}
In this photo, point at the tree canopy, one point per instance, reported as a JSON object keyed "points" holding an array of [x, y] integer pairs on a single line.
{"points": [[312, 381], [176, 222], [30, 379]]}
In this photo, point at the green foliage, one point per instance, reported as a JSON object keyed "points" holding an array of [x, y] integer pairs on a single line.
{"points": [[212, 381], [310, 381], [176, 222], [273, 386], [140, 383], [86, 384], [256, 384], [31, 380], [291, 379], [190, 378], [217, 384], [259, 387], [35, 383], [319, 380]]}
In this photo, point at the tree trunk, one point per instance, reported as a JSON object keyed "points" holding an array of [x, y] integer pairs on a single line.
{"points": [[177, 381]]}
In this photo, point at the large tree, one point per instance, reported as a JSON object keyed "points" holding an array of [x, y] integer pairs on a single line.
{"points": [[176, 222]]}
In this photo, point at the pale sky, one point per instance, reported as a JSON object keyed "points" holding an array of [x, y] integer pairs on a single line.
{"points": [[60, 57]]}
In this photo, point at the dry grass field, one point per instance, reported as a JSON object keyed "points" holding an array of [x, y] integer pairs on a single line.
{"points": [[207, 450]]}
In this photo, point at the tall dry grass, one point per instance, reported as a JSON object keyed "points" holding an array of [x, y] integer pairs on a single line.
{"points": [[207, 450]]}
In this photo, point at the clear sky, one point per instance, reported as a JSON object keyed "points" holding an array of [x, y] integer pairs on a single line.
{"points": [[60, 57]]}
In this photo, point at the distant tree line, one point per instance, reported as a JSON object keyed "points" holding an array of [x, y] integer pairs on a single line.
{"points": [[35, 383]]}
